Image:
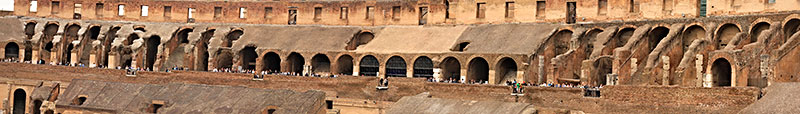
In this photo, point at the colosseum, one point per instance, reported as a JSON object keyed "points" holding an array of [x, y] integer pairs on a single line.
{"points": [[442, 56]]}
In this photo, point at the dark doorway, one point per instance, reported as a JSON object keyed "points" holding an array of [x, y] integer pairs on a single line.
{"points": [[12, 51], [756, 31], [345, 65], [478, 70], [692, 33], [36, 105], [790, 28], [202, 50], [360, 39], [506, 70], [725, 34], [292, 16], [295, 63], [570, 12], [224, 59], [152, 51], [320, 64], [233, 36], [721, 70], [68, 54], [19, 101], [248, 57], [369, 66], [272, 62], [451, 68], [396, 67], [603, 67], [423, 67]]}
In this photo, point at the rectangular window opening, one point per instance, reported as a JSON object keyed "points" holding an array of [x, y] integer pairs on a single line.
{"points": [[55, 7], [267, 12], [98, 9], [541, 6], [217, 12], [242, 13], [343, 13], [396, 12], [121, 10], [145, 11], [509, 9], [292, 16], [602, 7], [317, 13], [370, 12], [481, 11], [167, 11], [34, 6], [77, 9]]}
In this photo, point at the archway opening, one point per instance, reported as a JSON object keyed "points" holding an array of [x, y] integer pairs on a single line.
{"points": [[623, 36], [396, 67], [345, 65], [86, 45], [721, 72], [756, 31], [130, 39], [320, 64], [694, 32], [19, 101], [110, 36], [561, 41], [152, 51], [725, 35], [272, 62], [232, 36], [656, 35], [248, 57], [602, 67], [183, 36], [295, 63], [224, 59], [791, 27], [460, 47], [478, 70], [506, 70], [68, 54], [451, 68], [202, 50], [587, 42], [12, 51], [30, 30], [66, 46], [94, 32], [423, 67], [369, 66], [360, 39]]}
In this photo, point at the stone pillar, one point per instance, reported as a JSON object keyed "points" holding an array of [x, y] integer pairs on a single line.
{"points": [[665, 70], [74, 58], [112, 61], [765, 70], [521, 75], [541, 70], [611, 79], [93, 60], [307, 69], [382, 70], [410, 71], [698, 65], [356, 69], [35, 56], [21, 54], [54, 57], [493, 77], [463, 74], [708, 80]]}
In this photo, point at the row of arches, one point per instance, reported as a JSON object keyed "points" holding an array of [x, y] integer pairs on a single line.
{"points": [[368, 65]]}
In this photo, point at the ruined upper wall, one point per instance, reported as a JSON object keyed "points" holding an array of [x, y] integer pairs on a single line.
{"points": [[390, 12]]}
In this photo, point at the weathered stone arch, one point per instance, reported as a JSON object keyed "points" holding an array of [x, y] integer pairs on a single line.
{"points": [[756, 30], [586, 43], [294, 63], [423, 67], [506, 70], [603, 66], [247, 57], [725, 33], [344, 65], [110, 35], [361, 38], [396, 67], [478, 70], [201, 50], [224, 59], [271, 62], [11, 51], [369, 66], [693, 32], [30, 29], [655, 37], [451, 68], [320, 63], [234, 35], [86, 46]]}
